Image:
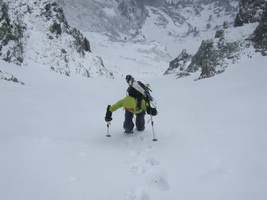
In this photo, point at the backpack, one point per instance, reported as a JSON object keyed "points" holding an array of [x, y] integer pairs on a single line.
{"points": [[139, 91]]}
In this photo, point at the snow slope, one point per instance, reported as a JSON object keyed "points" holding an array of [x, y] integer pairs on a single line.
{"points": [[143, 59], [211, 135]]}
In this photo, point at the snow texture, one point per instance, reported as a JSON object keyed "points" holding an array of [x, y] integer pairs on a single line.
{"points": [[211, 133]]}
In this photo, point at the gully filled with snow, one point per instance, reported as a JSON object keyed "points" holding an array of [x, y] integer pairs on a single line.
{"points": [[211, 135]]}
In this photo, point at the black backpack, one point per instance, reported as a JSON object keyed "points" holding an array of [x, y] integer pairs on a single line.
{"points": [[138, 90]]}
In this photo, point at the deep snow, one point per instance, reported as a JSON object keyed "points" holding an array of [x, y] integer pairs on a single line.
{"points": [[211, 133], [212, 140]]}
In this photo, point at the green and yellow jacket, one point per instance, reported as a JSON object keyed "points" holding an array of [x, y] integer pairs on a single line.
{"points": [[130, 104]]}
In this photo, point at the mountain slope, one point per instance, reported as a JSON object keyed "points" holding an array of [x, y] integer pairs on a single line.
{"points": [[39, 34], [175, 26], [171, 23], [211, 137], [228, 45]]}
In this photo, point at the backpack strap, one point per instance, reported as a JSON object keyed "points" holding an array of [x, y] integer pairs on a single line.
{"points": [[139, 103]]}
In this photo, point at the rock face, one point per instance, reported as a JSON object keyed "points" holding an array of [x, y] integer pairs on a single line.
{"points": [[119, 18], [179, 64], [11, 33], [9, 77], [259, 37], [38, 32], [214, 55], [60, 25], [110, 17], [250, 11], [211, 58]]}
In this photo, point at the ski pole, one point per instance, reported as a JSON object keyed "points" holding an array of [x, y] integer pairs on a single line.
{"points": [[108, 124], [152, 123]]}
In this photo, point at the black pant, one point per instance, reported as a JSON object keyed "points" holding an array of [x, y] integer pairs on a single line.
{"points": [[128, 124]]}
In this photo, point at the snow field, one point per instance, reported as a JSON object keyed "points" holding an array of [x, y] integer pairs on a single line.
{"points": [[211, 138]]}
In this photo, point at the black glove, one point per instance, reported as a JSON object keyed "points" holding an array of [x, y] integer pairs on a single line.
{"points": [[108, 117], [151, 111]]}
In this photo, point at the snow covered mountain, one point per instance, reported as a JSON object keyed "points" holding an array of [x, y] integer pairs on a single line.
{"points": [[227, 45], [109, 23], [207, 32], [119, 18], [171, 23], [75, 37], [38, 33]]}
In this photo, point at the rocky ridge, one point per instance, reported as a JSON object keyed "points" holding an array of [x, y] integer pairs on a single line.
{"points": [[215, 54], [37, 32]]}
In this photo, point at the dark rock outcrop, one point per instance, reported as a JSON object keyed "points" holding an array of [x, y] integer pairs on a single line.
{"points": [[179, 63], [9, 77], [250, 11], [259, 36], [10, 33], [211, 58], [38, 32]]}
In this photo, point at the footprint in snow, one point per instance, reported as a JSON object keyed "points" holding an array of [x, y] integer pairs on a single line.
{"points": [[148, 167], [133, 138], [137, 194], [138, 169], [152, 161], [146, 160], [158, 182], [142, 164]]}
